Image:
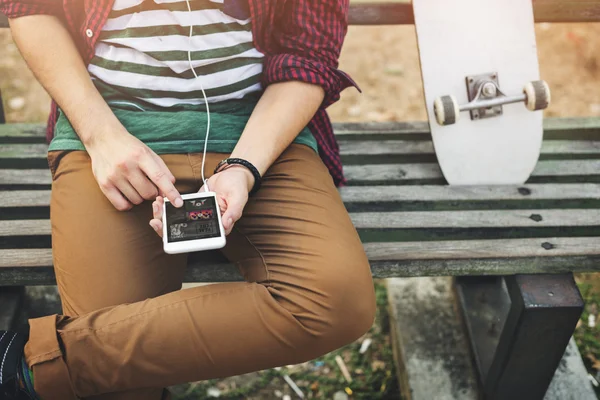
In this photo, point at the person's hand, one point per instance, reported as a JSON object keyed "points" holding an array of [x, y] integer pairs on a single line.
{"points": [[129, 172], [231, 186]]}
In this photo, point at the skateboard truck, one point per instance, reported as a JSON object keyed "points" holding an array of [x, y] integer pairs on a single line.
{"points": [[486, 99]]}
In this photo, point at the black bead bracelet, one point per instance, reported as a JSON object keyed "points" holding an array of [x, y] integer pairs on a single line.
{"points": [[240, 161]]}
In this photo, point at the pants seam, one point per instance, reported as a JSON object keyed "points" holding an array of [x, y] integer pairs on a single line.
{"points": [[56, 353]]}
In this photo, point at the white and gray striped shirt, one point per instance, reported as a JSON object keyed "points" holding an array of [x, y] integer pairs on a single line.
{"points": [[142, 54]]}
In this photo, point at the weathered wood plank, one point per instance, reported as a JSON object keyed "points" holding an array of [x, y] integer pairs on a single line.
{"points": [[25, 258], [400, 172], [368, 194], [363, 173], [220, 272], [25, 198], [573, 126], [544, 11], [473, 219], [402, 14], [404, 220], [403, 147], [483, 249], [347, 147], [23, 130], [403, 251], [25, 177]]}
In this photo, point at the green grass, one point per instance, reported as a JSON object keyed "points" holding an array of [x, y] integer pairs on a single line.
{"points": [[588, 338]]}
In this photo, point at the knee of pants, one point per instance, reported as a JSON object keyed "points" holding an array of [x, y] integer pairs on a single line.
{"points": [[341, 308]]}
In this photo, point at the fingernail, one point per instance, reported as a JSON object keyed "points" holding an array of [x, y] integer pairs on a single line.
{"points": [[178, 202]]}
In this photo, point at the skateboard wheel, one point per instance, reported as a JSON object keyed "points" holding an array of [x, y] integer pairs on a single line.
{"points": [[446, 110], [537, 95]]}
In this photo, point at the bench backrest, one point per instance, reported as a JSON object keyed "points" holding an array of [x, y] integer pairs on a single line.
{"points": [[400, 13]]}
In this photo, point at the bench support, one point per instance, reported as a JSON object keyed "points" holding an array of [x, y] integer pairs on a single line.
{"points": [[11, 300], [519, 327], [2, 117]]}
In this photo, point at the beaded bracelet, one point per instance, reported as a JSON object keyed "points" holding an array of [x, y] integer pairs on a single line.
{"points": [[240, 161]]}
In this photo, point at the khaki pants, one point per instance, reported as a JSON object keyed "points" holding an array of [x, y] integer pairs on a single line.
{"points": [[129, 331]]}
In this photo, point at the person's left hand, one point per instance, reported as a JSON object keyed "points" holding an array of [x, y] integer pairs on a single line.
{"points": [[231, 186]]}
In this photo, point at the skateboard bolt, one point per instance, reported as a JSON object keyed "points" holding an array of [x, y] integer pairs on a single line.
{"points": [[489, 89]]}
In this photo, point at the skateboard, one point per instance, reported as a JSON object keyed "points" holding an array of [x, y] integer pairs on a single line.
{"points": [[482, 88]]}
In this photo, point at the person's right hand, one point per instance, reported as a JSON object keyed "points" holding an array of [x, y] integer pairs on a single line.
{"points": [[129, 172]]}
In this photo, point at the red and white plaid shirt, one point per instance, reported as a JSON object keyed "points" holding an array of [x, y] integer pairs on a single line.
{"points": [[301, 40]]}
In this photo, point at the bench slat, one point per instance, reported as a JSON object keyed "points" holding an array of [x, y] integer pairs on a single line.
{"points": [[362, 173], [404, 220], [25, 177], [365, 194], [369, 194], [452, 258], [347, 147], [399, 172], [380, 147], [474, 219], [544, 11], [402, 13], [565, 128], [435, 250]]}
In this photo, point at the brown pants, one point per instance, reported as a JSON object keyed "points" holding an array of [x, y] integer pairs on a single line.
{"points": [[128, 331]]}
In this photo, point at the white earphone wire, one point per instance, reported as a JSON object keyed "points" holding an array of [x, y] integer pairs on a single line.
{"points": [[206, 188]]}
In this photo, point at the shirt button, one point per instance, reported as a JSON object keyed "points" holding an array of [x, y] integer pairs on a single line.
{"points": [[89, 33]]}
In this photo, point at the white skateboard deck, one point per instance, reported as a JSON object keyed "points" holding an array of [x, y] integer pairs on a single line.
{"points": [[460, 38]]}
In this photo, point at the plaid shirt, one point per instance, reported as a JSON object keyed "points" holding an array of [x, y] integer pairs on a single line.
{"points": [[301, 40]]}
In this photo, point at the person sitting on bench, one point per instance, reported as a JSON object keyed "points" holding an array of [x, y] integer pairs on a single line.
{"points": [[135, 131]]}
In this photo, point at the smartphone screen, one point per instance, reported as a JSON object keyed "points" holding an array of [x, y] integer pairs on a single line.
{"points": [[196, 219]]}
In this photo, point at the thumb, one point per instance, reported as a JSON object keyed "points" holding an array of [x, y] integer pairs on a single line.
{"points": [[233, 212]]}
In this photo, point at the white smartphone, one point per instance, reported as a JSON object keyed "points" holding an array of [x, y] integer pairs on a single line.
{"points": [[196, 226]]}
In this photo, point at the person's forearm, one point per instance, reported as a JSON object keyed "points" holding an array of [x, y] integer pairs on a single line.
{"points": [[52, 55], [282, 112]]}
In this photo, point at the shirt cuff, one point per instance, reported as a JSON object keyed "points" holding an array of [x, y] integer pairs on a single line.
{"points": [[288, 67], [15, 9]]}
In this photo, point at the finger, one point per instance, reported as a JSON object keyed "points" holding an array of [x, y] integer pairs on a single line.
{"points": [[160, 176], [143, 185], [157, 226], [129, 191], [235, 207], [222, 204], [157, 209], [162, 164], [116, 197]]}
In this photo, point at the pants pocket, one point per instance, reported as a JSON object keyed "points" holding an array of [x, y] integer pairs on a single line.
{"points": [[54, 158]]}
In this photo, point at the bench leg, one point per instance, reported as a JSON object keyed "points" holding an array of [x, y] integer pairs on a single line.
{"points": [[11, 300], [2, 117], [519, 328]]}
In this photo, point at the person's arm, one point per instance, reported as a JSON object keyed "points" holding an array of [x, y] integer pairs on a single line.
{"points": [[299, 79], [127, 171]]}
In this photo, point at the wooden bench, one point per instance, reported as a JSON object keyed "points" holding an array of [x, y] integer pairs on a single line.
{"points": [[512, 249]]}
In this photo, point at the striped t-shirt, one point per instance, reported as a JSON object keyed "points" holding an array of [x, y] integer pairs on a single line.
{"points": [[142, 70], [142, 54]]}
